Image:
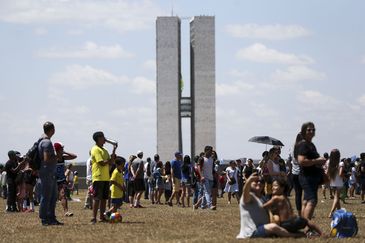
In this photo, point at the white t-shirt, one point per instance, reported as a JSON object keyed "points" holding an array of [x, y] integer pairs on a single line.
{"points": [[337, 181], [353, 174], [88, 169], [208, 168]]}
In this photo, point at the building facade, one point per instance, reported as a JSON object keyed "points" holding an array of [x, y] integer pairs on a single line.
{"points": [[200, 106]]}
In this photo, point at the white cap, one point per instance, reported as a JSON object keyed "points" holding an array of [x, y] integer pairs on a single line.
{"points": [[139, 152]]}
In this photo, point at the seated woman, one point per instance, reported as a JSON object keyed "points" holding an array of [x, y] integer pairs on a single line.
{"points": [[255, 221]]}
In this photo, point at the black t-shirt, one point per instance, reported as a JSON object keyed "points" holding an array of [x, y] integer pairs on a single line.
{"points": [[309, 150], [247, 171], [362, 167], [9, 166]]}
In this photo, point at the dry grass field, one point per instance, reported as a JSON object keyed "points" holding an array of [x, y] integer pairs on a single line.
{"points": [[155, 223]]}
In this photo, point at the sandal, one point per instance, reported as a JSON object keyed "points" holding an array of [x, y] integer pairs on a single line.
{"points": [[69, 214]]}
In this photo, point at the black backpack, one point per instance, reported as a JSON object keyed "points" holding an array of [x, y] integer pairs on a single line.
{"points": [[33, 156]]}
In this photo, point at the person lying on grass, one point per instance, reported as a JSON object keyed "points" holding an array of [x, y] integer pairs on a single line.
{"points": [[282, 211], [255, 221]]}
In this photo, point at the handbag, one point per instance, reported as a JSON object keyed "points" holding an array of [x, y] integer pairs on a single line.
{"points": [[232, 180]]}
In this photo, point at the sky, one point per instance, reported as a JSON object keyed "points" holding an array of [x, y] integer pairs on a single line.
{"points": [[90, 65]]}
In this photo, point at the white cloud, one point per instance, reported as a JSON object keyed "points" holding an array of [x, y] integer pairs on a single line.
{"points": [[88, 50], [263, 111], [361, 100], [260, 53], [296, 73], [150, 64], [317, 99], [118, 15], [81, 77], [142, 85], [269, 32], [237, 87]]}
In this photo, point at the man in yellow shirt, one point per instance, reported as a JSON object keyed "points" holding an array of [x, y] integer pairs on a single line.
{"points": [[100, 160]]}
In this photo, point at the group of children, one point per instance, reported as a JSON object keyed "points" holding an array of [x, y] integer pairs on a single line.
{"points": [[20, 184]]}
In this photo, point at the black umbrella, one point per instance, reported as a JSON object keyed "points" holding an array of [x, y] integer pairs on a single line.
{"points": [[266, 140]]}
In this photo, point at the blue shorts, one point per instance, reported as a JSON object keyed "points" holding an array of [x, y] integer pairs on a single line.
{"points": [[310, 187], [260, 232], [117, 201]]}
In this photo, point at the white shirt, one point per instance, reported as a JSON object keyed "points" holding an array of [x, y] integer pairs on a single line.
{"points": [[337, 181], [88, 169], [208, 168]]}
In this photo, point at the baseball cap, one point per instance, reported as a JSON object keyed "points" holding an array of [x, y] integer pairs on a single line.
{"points": [[57, 146], [178, 154]]}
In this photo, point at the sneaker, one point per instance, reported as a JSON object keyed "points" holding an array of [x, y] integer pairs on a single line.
{"points": [[213, 208], [69, 214], [45, 223], [56, 222], [169, 203], [107, 215]]}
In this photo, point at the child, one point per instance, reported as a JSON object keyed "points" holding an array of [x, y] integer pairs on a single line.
{"points": [[335, 173], [231, 184], [61, 177], [159, 178], [282, 211], [76, 182], [117, 187]]}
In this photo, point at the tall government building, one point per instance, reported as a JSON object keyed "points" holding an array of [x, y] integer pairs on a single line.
{"points": [[171, 106]]}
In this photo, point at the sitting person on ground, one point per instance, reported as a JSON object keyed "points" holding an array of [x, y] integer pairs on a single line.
{"points": [[255, 221], [282, 211]]}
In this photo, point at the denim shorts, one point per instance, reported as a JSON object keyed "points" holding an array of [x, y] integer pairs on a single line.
{"points": [[310, 187], [260, 232]]}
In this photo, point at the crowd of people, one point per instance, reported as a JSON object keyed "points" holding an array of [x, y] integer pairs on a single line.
{"points": [[261, 190], [305, 171]]}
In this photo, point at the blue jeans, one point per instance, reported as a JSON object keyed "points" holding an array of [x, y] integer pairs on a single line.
{"points": [[48, 201], [206, 190]]}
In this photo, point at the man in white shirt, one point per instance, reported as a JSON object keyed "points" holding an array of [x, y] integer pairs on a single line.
{"points": [[206, 180]]}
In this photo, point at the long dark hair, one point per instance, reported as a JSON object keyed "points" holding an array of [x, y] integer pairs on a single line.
{"points": [[298, 139], [333, 164], [303, 130]]}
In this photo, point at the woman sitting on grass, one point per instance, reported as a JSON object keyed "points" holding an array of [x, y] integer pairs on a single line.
{"points": [[254, 217]]}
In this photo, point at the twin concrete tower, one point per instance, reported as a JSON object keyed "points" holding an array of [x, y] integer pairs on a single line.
{"points": [[171, 106]]}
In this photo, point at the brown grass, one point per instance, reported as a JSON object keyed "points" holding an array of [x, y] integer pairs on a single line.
{"points": [[155, 223]]}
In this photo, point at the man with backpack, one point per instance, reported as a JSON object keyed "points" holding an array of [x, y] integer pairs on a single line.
{"points": [[47, 172]]}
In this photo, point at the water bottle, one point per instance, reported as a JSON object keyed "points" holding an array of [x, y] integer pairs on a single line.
{"points": [[112, 142]]}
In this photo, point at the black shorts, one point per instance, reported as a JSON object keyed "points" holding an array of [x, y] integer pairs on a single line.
{"points": [[295, 224], [139, 185], [101, 190], [130, 188]]}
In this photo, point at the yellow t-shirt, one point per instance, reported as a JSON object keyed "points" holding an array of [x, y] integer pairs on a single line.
{"points": [[76, 180], [99, 172], [116, 192]]}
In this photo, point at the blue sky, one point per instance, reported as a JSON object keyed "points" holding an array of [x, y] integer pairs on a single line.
{"points": [[90, 65]]}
